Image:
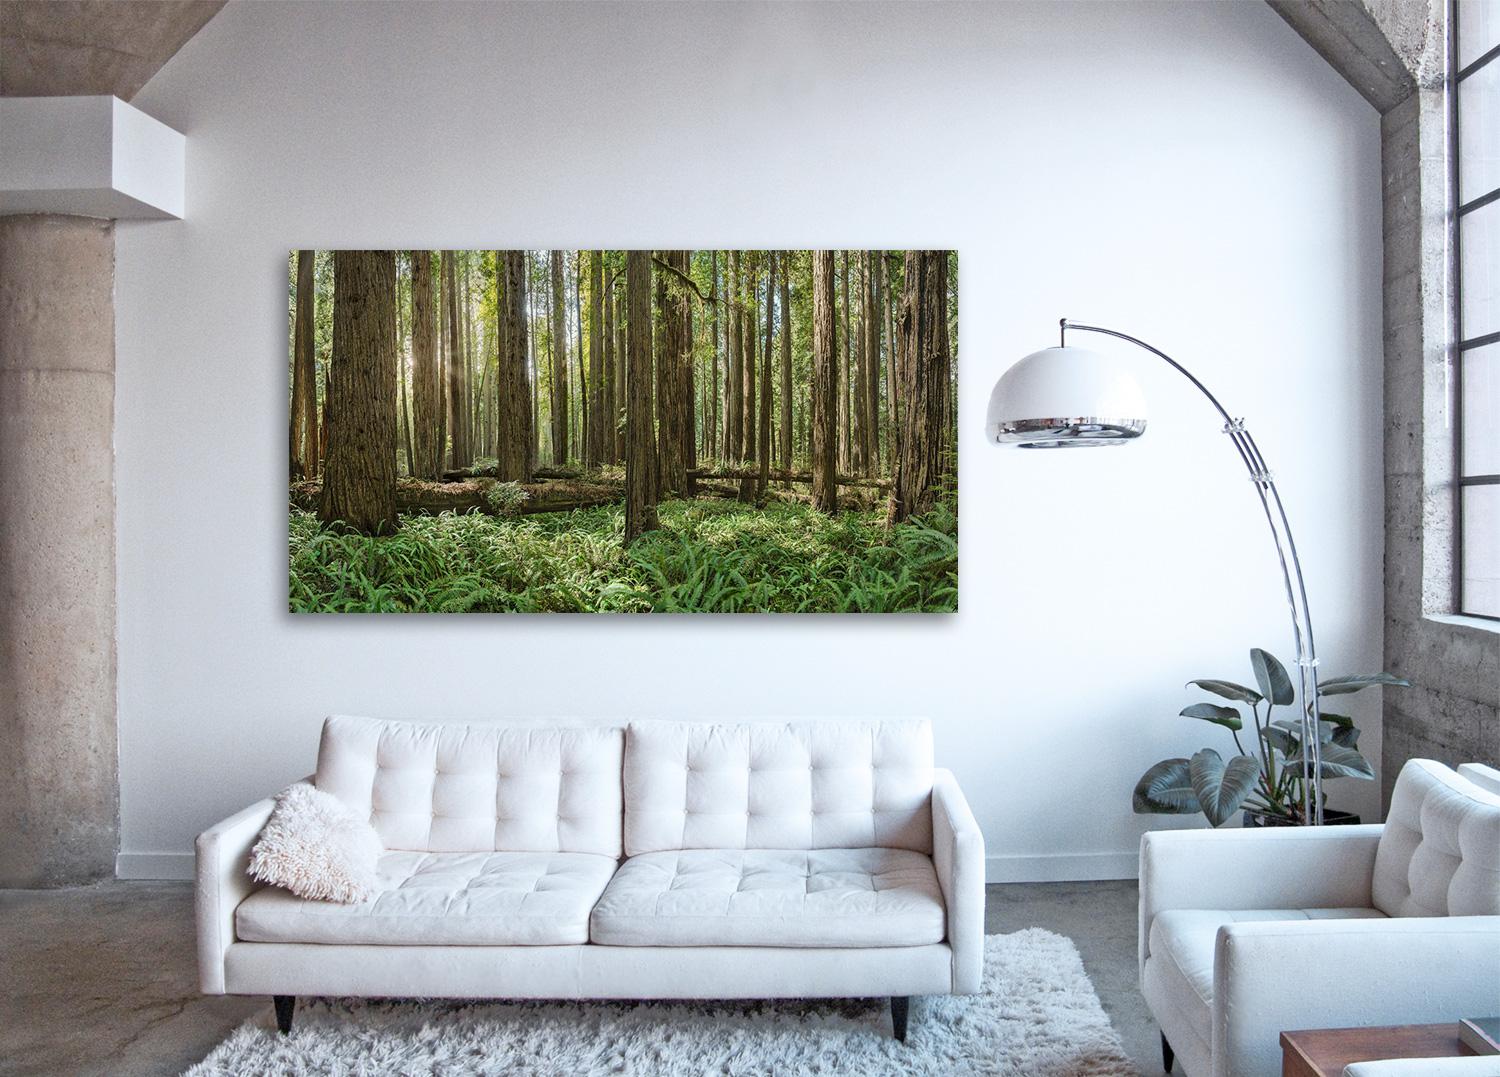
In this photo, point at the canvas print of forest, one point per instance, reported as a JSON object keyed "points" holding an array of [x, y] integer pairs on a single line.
{"points": [[623, 431]]}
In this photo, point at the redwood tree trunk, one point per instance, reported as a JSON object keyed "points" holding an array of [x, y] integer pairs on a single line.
{"points": [[923, 382], [513, 455], [559, 364], [846, 419], [458, 426], [610, 418], [786, 365], [426, 392], [734, 390], [674, 378], [764, 447], [640, 450], [711, 412], [359, 478], [304, 411], [595, 454], [824, 385]]}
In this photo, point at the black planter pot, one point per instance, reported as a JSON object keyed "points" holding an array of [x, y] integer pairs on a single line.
{"points": [[1331, 817]]}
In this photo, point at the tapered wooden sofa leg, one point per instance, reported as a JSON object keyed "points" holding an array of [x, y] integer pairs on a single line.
{"points": [[899, 1006], [1167, 1057], [285, 1006]]}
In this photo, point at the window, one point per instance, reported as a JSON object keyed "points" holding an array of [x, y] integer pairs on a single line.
{"points": [[1476, 179]]}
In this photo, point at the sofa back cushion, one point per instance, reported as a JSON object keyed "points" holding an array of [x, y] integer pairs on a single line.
{"points": [[778, 785], [481, 787], [1439, 854]]}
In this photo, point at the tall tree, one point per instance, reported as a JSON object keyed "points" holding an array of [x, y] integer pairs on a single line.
{"points": [[445, 362], [622, 368], [401, 372], [711, 412], [457, 411], [858, 411], [559, 364], [595, 454], [609, 420], [426, 389], [640, 454], [304, 412], [923, 381], [824, 448], [359, 476], [893, 343], [873, 323], [764, 448], [674, 377], [846, 419], [513, 455], [786, 367], [752, 335], [580, 427], [734, 390]]}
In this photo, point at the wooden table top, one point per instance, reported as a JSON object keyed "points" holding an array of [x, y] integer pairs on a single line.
{"points": [[1324, 1052]]}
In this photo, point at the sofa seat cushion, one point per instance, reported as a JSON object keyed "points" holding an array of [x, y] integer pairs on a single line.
{"points": [[772, 897], [456, 899], [1185, 938]]}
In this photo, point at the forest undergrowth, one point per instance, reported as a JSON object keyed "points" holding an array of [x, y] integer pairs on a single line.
{"points": [[709, 556]]}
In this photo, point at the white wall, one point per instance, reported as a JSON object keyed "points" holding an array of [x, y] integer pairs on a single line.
{"points": [[1191, 173]]}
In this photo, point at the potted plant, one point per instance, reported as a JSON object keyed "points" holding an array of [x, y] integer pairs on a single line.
{"points": [[1266, 780]]}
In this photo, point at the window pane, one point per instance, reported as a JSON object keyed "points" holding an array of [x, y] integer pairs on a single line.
{"points": [[1479, 132], [1478, 29], [1481, 404], [1479, 271], [1481, 539]]}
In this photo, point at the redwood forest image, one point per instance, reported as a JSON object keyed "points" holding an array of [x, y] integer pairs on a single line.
{"points": [[727, 431]]}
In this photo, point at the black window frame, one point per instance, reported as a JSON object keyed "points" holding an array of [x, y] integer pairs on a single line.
{"points": [[1464, 344]]}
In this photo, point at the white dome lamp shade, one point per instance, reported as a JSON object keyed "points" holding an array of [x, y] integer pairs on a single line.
{"points": [[1066, 397]]}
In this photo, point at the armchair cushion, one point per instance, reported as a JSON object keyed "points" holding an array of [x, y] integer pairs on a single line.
{"points": [[772, 897], [1440, 853]]}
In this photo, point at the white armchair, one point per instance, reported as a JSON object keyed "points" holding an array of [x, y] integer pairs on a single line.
{"points": [[1248, 933]]}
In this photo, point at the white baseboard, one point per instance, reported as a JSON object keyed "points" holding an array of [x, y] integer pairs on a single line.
{"points": [[1047, 868], [1061, 867], [154, 866]]}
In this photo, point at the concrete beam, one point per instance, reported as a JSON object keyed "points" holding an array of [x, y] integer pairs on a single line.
{"points": [[59, 791], [68, 47], [89, 157], [1385, 49]]}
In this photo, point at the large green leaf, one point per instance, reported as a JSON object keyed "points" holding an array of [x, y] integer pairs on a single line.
{"points": [[1338, 686], [1222, 787], [1227, 717], [1281, 738], [1270, 674], [1229, 690], [1342, 721], [1347, 736], [1165, 789], [1338, 762], [1294, 727]]}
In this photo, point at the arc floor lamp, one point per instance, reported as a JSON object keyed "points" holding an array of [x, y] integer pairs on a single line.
{"points": [[1068, 397]]}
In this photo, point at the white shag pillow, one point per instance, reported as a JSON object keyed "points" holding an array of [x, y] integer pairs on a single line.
{"points": [[317, 847]]}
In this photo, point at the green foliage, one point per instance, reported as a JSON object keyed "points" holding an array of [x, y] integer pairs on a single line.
{"points": [[708, 556], [505, 497], [1268, 778]]}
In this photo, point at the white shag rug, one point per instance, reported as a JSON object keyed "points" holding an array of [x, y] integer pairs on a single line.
{"points": [[1037, 1016]]}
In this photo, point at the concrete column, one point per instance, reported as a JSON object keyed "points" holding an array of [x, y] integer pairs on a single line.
{"points": [[59, 785]]}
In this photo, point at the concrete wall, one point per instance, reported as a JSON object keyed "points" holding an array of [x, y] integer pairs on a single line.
{"points": [[1452, 710], [1189, 173]]}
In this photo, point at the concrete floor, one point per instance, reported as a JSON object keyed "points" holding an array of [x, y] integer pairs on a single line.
{"points": [[102, 980]]}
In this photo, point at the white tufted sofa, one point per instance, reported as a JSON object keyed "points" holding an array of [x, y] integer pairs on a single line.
{"points": [[1245, 934], [653, 860]]}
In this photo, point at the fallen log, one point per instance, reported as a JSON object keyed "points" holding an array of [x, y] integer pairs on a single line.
{"points": [[414, 496], [784, 476], [464, 474]]}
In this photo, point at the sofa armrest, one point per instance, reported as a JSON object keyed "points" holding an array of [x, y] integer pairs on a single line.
{"points": [[1293, 867], [223, 881], [1274, 976], [958, 856]]}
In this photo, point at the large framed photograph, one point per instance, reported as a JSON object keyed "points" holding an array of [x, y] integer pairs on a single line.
{"points": [[726, 431]]}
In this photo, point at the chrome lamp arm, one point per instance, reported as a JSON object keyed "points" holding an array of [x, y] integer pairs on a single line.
{"points": [[1291, 572]]}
